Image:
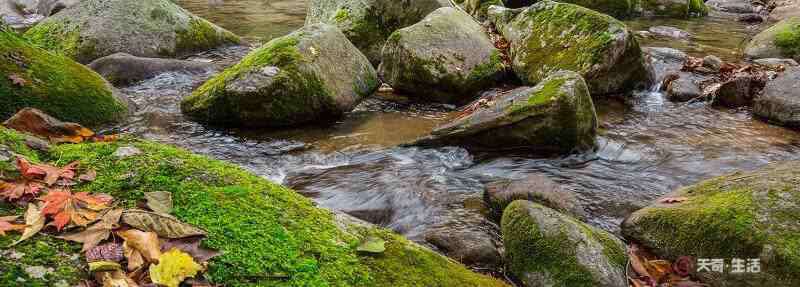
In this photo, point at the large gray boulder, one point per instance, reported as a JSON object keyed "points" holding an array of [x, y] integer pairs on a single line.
{"points": [[536, 188], [145, 28], [312, 74], [780, 100], [745, 216], [556, 116], [368, 23], [782, 40], [550, 36], [447, 57], [123, 69], [545, 248]]}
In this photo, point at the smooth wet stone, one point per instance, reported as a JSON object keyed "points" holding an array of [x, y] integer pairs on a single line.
{"points": [[732, 6], [536, 188], [737, 92], [745, 215], [447, 57], [147, 28], [556, 116], [670, 32], [545, 248], [311, 75], [684, 88], [712, 62], [780, 100], [124, 69], [598, 47]]}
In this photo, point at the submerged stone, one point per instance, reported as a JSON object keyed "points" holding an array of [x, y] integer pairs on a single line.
{"points": [[749, 216], [310, 75], [546, 248], [551, 36], [447, 57], [556, 116], [147, 28]]}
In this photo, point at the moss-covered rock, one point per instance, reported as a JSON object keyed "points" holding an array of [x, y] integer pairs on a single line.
{"points": [[551, 36], [145, 28], [546, 248], [782, 40], [310, 75], [268, 235], [750, 215], [368, 23], [447, 57], [556, 116], [478, 8], [32, 77]]}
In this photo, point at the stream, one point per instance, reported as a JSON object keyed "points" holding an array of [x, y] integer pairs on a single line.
{"points": [[648, 146]]}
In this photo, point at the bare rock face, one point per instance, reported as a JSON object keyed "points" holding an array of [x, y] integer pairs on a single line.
{"points": [[123, 69], [780, 101]]}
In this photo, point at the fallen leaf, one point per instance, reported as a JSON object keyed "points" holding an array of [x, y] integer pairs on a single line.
{"points": [[111, 251], [670, 200], [34, 222], [104, 266], [659, 269], [145, 242], [80, 208], [98, 232], [12, 191], [372, 245], [192, 247], [90, 175], [18, 80], [637, 263], [7, 225], [115, 278], [133, 256], [159, 201], [105, 138], [163, 225], [173, 268]]}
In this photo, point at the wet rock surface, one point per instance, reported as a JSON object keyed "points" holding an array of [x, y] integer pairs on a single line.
{"points": [[125, 69], [780, 102]]}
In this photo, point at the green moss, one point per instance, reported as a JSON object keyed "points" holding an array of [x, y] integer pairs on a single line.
{"points": [[269, 235], [201, 35], [528, 250], [40, 251], [697, 8], [616, 8], [549, 92], [342, 15], [787, 39], [57, 37], [278, 105], [53, 83]]}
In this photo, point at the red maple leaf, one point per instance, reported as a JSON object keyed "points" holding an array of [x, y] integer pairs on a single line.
{"points": [[15, 190], [47, 173], [6, 225], [80, 208]]}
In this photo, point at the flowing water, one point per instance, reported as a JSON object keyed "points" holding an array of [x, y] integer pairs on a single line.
{"points": [[648, 146]]}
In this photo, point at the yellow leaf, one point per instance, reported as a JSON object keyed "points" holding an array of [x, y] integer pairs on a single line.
{"points": [[104, 266], [34, 221], [174, 266]]}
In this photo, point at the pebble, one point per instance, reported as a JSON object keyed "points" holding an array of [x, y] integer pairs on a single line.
{"points": [[127, 151], [38, 272]]}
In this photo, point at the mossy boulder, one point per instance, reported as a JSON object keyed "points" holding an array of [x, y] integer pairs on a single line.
{"points": [[782, 40], [35, 78], [550, 36], [146, 28], [749, 215], [546, 248], [310, 75], [557, 116], [447, 57], [368, 23], [780, 100], [536, 188], [268, 235]]}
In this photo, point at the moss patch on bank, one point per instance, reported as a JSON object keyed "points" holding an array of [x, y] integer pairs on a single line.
{"points": [[787, 39], [269, 235], [53, 83]]}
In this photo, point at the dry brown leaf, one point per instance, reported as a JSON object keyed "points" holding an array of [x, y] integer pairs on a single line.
{"points": [[90, 175], [134, 257], [145, 242], [98, 231], [115, 278], [159, 201], [34, 222], [38, 123], [7, 225], [659, 269], [163, 225]]}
